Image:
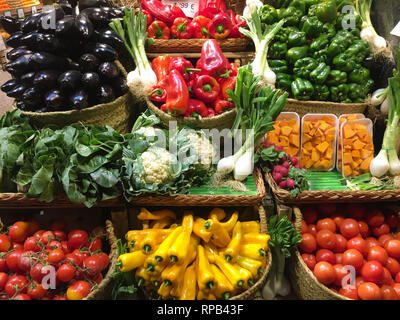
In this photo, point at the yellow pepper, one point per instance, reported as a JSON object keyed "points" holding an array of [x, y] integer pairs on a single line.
{"points": [[162, 223], [246, 275], [205, 277], [154, 238], [251, 226], [189, 288], [178, 250], [156, 215], [210, 250], [129, 261], [254, 266], [256, 238], [201, 295], [164, 291], [217, 214], [223, 288], [229, 225], [220, 237], [161, 254], [228, 269], [200, 231], [253, 251], [232, 250], [142, 277]]}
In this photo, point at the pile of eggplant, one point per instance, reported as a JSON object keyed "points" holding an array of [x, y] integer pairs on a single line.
{"points": [[64, 59]]}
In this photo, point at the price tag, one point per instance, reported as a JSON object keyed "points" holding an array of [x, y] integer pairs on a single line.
{"points": [[7, 13], [34, 9], [396, 30], [189, 7], [20, 13]]}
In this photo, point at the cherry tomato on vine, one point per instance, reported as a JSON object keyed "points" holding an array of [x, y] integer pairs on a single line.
{"points": [[78, 290], [5, 243], [324, 272], [36, 290], [326, 239], [377, 253], [65, 272], [14, 284], [94, 265], [308, 243], [18, 232], [372, 271], [369, 291], [3, 280], [325, 255], [77, 238], [55, 256], [349, 228]]}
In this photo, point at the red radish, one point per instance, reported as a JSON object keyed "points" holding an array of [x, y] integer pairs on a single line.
{"points": [[297, 166], [282, 185], [277, 177], [290, 183], [286, 165]]}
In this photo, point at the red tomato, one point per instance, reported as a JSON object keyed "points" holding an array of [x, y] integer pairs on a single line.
{"points": [[359, 280], [3, 265], [312, 228], [5, 243], [65, 272], [325, 255], [374, 218], [47, 236], [349, 292], [38, 272], [26, 260], [364, 228], [98, 279], [73, 259], [338, 218], [388, 293], [55, 256], [60, 235], [377, 253], [3, 280], [65, 247], [94, 245], [355, 211], [54, 244], [33, 226], [387, 277], [385, 238], [396, 288], [326, 209], [392, 220], [340, 273], [359, 244], [14, 283], [340, 244], [397, 278], [17, 246], [59, 298], [326, 224], [36, 290], [308, 243], [77, 238], [309, 260], [369, 291], [393, 248], [372, 242], [38, 234], [12, 260], [32, 244], [18, 232], [310, 215], [381, 230], [372, 271], [339, 258], [326, 239], [58, 225], [78, 290], [393, 266], [304, 228], [354, 258], [81, 255], [105, 260], [94, 265], [22, 296], [349, 228], [324, 272]]}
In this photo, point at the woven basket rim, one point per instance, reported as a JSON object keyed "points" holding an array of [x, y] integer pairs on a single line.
{"points": [[328, 103]]}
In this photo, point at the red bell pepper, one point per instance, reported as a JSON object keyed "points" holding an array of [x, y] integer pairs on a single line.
{"points": [[211, 112], [227, 84], [185, 67], [200, 27], [234, 68], [160, 66], [163, 108], [158, 30], [240, 22], [177, 94], [221, 105], [182, 28], [212, 61], [164, 12], [206, 88], [196, 109], [209, 8], [149, 18], [158, 92], [220, 26], [190, 85]]}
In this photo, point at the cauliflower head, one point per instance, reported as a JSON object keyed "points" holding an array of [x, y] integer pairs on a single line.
{"points": [[202, 147], [156, 165]]}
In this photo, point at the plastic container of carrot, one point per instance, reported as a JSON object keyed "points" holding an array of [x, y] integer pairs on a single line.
{"points": [[318, 141]]}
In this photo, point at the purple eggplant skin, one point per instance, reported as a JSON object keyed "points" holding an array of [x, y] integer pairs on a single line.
{"points": [[17, 52], [90, 80], [66, 6], [29, 39], [22, 106], [120, 86], [16, 92], [109, 37], [46, 79], [69, 80], [30, 23], [48, 43], [88, 62], [65, 28], [113, 13], [102, 51], [79, 99], [14, 40], [108, 70], [9, 85], [44, 60], [20, 65], [84, 27], [32, 96], [83, 4], [27, 78], [10, 24], [104, 94], [44, 23], [99, 17], [54, 100]]}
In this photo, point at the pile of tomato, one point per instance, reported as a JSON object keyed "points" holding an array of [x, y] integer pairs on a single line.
{"points": [[50, 264], [339, 239]]}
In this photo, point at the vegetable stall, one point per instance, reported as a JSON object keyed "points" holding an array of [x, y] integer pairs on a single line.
{"points": [[232, 153]]}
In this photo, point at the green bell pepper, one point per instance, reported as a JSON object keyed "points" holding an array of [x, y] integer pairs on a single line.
{"points": [[278, 50], [341, 3], [329, 30], [367, 87], [299, 5], [311, 26], [321, 92], [349, 21], [284, 81], [296, 53], [356, 92], [322, 56], [336, 77], [359, 50], [302, 89], [340, 93], [268, 14], [291, 15], [327, 11], [356, 33], [278, 66], [296, 39], [283, 34], [341, 41], [319, 43], [360, 75], [303, 67], [312, 10], [344, 62], [281, 3], [320, 73]]}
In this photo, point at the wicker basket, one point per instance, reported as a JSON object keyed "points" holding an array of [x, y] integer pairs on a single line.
{"points": [[304, 283], [118, 114], [304, 107]]}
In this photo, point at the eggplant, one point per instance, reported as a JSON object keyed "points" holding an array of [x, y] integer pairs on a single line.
{"points": [[104, 94], [109, 37], [44, 60], [69, 80], [113, 13], [32, 96], [88, 62], [120, 86], [21, 105], [54, 100], [84, 26], [30, 23], [83, 4], [46, 79], [108, 70], [47, 19], [49, 43], [90, 80], [99, 17], [27, 78], [102, 51], [17, 52], [9, 85], [79, 99], [66, 27], [10, 24], [14, 40], [66, 6], [29, 39], [20, 65], [17, 91]]}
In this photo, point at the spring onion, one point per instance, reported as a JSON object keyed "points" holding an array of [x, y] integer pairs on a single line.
{"points": [[251, 6]]}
